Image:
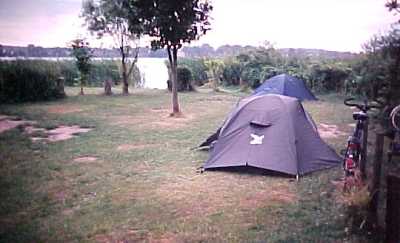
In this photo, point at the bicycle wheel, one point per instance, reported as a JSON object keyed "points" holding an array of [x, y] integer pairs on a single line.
{"points": [[395, 117], [352, 183]]}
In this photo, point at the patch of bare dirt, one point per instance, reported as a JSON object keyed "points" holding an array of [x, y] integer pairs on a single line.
{"points": [[215, 99], [85, 159], [32, 129], [61, 133], [58, 134], [9, 122], [127, 147], [64, 109], [329, 131], [351, 125]]}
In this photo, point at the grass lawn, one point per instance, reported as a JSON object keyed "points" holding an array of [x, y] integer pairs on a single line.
{"points": [[143, 185]]}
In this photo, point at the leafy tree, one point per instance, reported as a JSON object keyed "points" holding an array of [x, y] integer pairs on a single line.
{"points": [[215, 67], [243, 60], [258, 64], [171, 23], [110, 18], [82, 54], [378, 73], [232, 71], [252, 77], [393, 5]]}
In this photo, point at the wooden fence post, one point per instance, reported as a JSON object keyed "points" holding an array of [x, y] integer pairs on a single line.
{"points": [[393, 209], [376, 179], [364, 151]]}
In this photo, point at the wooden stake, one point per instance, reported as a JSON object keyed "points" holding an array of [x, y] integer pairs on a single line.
{"points": [[375, 187], [393, 209]]}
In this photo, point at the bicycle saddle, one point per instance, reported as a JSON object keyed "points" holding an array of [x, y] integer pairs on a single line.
{"points": [[359, 115]]}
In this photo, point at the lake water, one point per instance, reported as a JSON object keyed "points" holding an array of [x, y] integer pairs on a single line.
{"points": [[153, 71]]}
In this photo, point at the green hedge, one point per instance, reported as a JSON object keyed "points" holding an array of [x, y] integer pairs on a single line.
{"points": [[99, 72], [28, 80], [34, 80]]}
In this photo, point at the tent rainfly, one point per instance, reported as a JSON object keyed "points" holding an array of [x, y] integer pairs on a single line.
{"points": [[271, 132], [285, 84]]}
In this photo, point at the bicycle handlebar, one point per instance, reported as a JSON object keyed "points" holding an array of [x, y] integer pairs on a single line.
{"points": [[363, 107], [346, 102]]}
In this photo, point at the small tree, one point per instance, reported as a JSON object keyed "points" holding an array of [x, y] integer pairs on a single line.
{"points": [[110, 17], [216, 69], [172, 23], [82, 54]]}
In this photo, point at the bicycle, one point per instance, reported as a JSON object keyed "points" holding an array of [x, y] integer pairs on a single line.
{"points": [[356, 145], [394, 147]]}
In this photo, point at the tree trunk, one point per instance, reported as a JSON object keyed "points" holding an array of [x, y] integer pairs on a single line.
{"points": [[82, 81], [125, 89], [107, 87], [173, 62], [215, 80], [242, 82]]}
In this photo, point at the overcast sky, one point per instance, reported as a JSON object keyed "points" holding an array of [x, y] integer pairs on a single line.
{"points": [[341, 25]]}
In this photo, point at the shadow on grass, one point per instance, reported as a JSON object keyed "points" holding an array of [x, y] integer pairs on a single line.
{"points": [[251, 170]]}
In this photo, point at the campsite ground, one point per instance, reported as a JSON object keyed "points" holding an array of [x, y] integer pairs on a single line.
{"points": [[133, 176]]}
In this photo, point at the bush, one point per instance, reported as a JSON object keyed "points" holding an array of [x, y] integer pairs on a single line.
{"points": [[197, 68], [252, 77], [101, 71], [69, 71], [184, 80], [231, 73], [28, 80]]}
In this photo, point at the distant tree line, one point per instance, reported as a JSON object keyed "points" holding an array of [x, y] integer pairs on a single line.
{"points": [[203, 51], [58, 52]]}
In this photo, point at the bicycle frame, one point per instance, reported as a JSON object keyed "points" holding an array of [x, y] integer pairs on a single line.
{"points": [[356, 146]]}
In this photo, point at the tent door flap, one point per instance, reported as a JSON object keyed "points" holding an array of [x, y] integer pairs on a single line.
{"points": [[260, 123]]}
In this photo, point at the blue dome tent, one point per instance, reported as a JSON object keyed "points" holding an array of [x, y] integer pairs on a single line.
{"points": [[287, 85]]}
